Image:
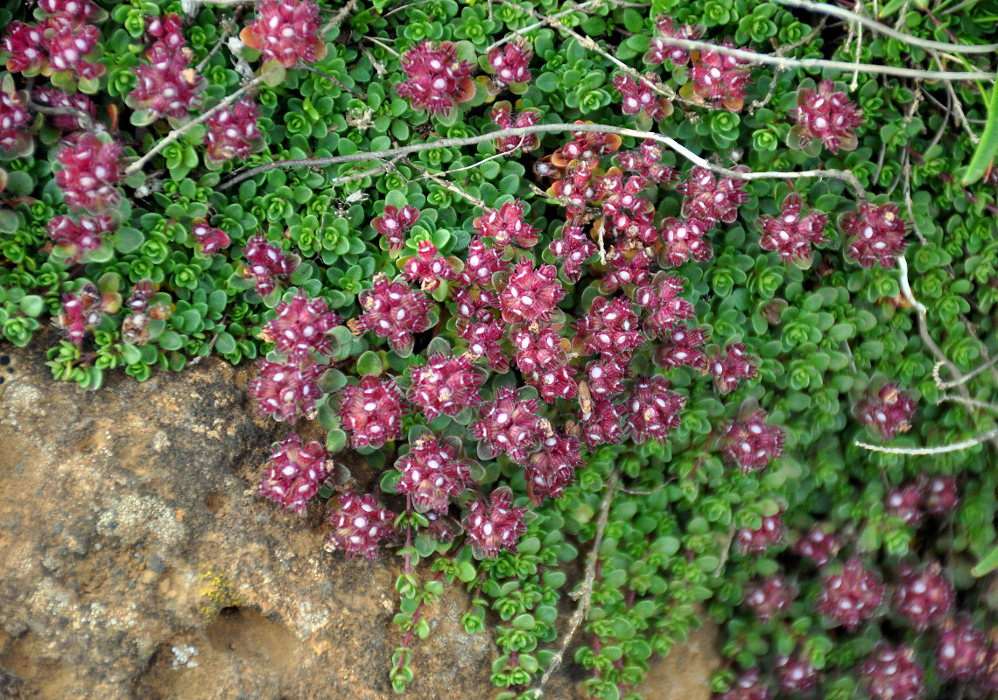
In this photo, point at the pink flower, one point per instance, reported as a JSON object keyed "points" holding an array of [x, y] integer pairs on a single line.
{"points": [[435, 79], [481, 264], [600, 421], [770, 598], [826, 116], [286, 31], [611, 329], [509, 65], [67, 43], [661, 302], [770, 533], [393, 222], [166, 86], [851, 597], [426, 268], [641, 97], [712, 200], [876, 234], [791, 234], [732, 368], [483, 339], [508, 425], [392, 310], [51, 97], [494, 525], [15, 126], [604, 377], [752, 443], [267, 263], [233, 132], [572, 248], [653, 409], [658, 50], [210, 239], [892, 673], [89, 174], [720, 78], [506, 226], [432, 473], [79, 237], [552, 467], [359, 525], [531, 294], [301, 325], [286, 391], [372, 411], [294, 473], [81, 312], [684, 240], [502, 116], [646, 163], [683, 349], [445, 385], [889, 412], [24, 43]]}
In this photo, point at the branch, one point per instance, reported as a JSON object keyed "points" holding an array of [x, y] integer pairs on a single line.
{"points": [[821, 63], [973, 403], [180, 131], [590, 45], [941, 449], [536, 25], [686, 153], [586, 592], [449, 186], [879, 28]]}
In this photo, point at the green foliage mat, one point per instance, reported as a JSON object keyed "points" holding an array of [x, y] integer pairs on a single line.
{"points": [[699, 494]]}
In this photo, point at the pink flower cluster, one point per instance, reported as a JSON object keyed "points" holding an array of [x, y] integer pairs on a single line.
{"points": [[89, 174], [792, 234], [60, 43], [392, 310], [827, 116], [876, 234], [294, 473], [393, 222], [889, 412], [286, 31], [166, 86], [435, 79], [359, 525], [78, 237], [494, 524], [233, 132], [502, 116], [267, 264]]}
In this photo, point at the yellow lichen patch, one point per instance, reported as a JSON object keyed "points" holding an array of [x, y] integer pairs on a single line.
{"points": [[215, 592]]}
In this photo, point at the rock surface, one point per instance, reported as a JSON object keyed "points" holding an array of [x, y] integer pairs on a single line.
{"points": [[137, 562]]}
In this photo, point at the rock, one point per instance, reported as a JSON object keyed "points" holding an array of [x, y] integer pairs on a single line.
{"points": [[137, 561]]}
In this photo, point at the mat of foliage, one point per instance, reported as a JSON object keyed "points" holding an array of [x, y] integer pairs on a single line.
{"points": [[645, 312]]}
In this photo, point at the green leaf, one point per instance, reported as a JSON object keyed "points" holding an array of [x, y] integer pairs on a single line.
{"points": [[32, 305], [987, 149], [987, 564], [171, 340], [225, 344], [369, 363]]}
